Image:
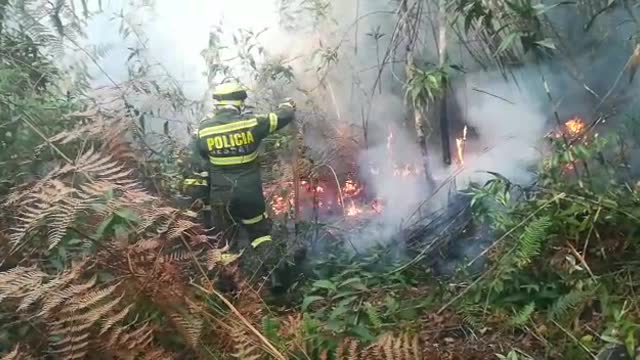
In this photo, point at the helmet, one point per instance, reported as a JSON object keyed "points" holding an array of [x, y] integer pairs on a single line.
{"points": [[230, 94]]}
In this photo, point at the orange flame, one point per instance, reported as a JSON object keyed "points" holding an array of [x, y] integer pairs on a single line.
{"points": [[460, 142], [351, 189], [575, 126], [353, 210]]}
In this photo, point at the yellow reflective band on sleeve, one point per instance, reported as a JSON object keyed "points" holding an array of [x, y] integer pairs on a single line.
{"points": [[273, 122], [196, 182], [219, 129], [261, 240], [233, 160], [254, 220], [202, 174], [237, 103]]}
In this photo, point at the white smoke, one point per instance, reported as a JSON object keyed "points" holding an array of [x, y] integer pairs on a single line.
{"points": [[510, 122], [508, 131]]}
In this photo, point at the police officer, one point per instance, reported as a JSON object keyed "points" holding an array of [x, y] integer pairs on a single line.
{"points": [[228, 141]]}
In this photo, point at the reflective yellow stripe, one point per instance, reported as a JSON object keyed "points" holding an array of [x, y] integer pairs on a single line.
{"points": [[237, 103], [254, 220], [219, 129], [233, 160], [198, 182], [273, 122], [261, 240], [203, 174]]}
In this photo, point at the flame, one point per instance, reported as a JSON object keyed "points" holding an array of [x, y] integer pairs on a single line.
{"points": [[353, 210], [279, 204], [460, 142], [575, 126], [351, 189]]}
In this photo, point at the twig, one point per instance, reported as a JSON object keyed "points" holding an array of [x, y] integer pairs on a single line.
{"points": [[335, 176], [575, 340], [582, 260], [494, 95]]}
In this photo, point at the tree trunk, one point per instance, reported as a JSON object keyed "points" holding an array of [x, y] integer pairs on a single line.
{"points": [[417, 113], [442, 58]]}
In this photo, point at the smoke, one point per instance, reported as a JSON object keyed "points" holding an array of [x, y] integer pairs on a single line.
{"points": [[336, 57], [508, 122]]}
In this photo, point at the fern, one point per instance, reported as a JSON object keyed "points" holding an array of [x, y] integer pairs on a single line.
{"points": [[245, 348], [373, 315], [521, 317], [270, 328], [402, 346], [530, 242], [190, 328], [16, 354], [568, 303]]}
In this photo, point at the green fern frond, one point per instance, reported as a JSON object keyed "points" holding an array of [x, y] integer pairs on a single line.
{"points": [[531, 241], [374, 317], [521, 317], [270, 328], [568, 303]]}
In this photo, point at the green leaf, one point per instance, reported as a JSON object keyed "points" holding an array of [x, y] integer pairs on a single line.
{"points": [[363, 333], [355, 283], [127, 214], [309, 300], [630, 342], [610, 339], [507, 42], [338, 311], [104, 226], [548, 43], [324, 284]]}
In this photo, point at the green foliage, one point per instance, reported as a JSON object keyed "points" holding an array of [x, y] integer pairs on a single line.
{"points": [[424, 85], [347, 300], [569, 303]]}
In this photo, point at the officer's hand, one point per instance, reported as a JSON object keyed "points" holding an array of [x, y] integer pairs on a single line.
{"points": [[288, 102]]}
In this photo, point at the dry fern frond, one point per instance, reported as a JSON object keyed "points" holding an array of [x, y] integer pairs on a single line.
{"points": [[16, 354], [179, 227], [131, 343], [190, 328], [179, 255], [388, 347], [111, 321], [154, 215], [19, 282], [244, 345]]}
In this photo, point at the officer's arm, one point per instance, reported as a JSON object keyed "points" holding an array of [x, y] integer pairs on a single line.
{"points": [[286, 113], [196, 180], [272, 122]]}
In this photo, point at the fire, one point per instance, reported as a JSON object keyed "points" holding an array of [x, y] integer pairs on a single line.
{"points": [[351, 189], [575, 126], [460, 142], [353, 210], [279, 204]]}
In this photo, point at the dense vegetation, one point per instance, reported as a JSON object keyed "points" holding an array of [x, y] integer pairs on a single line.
{"points": [[99, 260]]}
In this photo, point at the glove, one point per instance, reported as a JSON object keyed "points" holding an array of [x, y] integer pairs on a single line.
{"points": [[288, 102]]}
